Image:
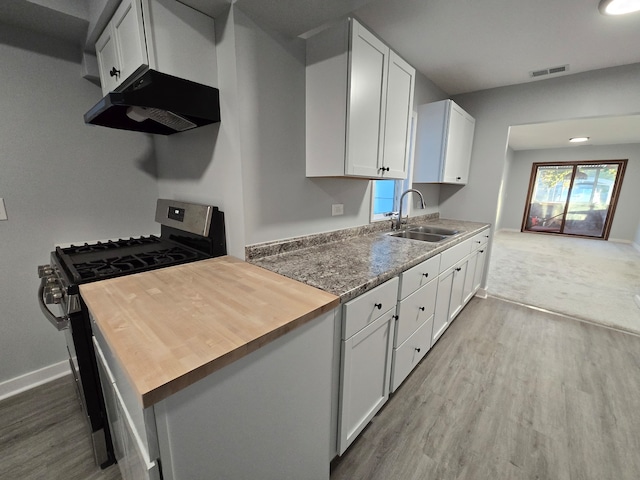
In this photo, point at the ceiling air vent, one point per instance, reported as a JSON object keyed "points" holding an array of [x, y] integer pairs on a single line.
{"points": [[548, 71]]}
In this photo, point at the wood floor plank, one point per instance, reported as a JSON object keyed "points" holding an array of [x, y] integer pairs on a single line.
{"points": [[513, 393], [43, 434]]}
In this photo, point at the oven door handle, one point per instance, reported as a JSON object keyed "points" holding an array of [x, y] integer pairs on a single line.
{"points": [[59, 322]]}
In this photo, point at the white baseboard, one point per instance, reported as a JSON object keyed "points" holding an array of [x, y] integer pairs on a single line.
{"points": [[620, 240], [12, 387], [482, 293], [636, 246]]}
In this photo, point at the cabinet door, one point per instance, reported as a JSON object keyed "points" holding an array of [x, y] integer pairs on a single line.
{"points": [[481, 258], [366, 375], [457, 289], [443, 300], [468, 290], [107, 60], [459, 142], [368, 66], [397, 124], [128, 31], [133, 465]]}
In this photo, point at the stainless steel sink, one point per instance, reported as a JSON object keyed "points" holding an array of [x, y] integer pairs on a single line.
{"points": [[430, 229], [424, 236]]}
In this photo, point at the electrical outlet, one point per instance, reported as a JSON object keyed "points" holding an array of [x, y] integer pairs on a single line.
{"points": [[337, 209], [3, 211]]}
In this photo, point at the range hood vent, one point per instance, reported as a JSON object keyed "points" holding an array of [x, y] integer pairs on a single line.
{"points": [[158, 103]]}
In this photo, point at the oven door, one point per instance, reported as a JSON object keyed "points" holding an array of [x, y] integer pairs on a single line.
{"points": [[85, 369], [75, 368]]}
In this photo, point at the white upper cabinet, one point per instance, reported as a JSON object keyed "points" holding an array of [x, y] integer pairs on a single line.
{"points": [[400, 86], [164, 35], [122, 49], [359, 103], [444, 140]]}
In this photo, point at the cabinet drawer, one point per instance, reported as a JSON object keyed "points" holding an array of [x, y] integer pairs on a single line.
{"points": [[453, 255], [414, 310], [361, 311], [418, 276], [479, 240], [407, 355]]}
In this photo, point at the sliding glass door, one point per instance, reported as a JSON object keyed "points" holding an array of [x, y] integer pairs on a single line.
{"points": [[573, 198]]}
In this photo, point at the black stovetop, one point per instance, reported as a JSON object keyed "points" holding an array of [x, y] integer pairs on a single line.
{"points": [[103, 260]]}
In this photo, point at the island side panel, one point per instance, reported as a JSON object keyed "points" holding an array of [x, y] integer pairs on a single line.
{"points": [[265, 416]]}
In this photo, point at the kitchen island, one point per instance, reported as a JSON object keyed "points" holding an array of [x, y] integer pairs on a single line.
{"points": [[215, 369]]}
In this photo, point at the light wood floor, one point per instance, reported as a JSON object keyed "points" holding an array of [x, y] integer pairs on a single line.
{"points": [[510, 393], [506, 393], [43, 435]]}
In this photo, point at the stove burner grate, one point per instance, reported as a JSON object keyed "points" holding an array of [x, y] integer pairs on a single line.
{"points": [[138, 262], [110, 245]]}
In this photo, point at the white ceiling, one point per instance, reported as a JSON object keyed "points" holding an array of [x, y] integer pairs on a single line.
{"points": [[601, 131], [464, 46], [460, 45]]}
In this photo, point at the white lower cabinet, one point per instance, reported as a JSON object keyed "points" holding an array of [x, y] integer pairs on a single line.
{"points": [[457, 300], [450, 300], [461, 272], [129, 449], [381, 345], [441, 315], [480, 262], [414, 325], [267, 415], [368, 330]]}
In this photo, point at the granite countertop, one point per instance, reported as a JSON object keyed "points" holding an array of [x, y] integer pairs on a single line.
{"points": [[350, 264]]}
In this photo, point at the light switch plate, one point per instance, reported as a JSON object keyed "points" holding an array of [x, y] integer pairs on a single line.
{"points": [[337, 209], [3, 211]]}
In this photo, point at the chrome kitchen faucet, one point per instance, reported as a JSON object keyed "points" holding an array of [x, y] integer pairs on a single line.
{"points": [[422, 205]]}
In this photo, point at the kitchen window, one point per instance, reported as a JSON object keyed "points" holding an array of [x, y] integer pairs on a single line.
{"points": [[573, 198]]}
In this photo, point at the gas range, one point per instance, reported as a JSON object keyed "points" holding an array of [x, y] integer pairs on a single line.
{"points": [[189, 232]]}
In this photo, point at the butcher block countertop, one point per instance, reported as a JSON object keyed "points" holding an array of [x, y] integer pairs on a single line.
{"points": [[174, 326]]}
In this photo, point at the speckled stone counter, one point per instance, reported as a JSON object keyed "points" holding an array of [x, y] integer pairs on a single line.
{"points": [[348, 265]]}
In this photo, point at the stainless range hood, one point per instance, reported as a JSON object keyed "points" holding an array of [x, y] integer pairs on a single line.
{"points": [[158, 103]]}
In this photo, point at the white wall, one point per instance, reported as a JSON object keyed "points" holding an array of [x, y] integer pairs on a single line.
{"points": [[253, 164], [204, 165], [62, 181], [503, 207], [612, 91], [427, 92], [627, 215]]}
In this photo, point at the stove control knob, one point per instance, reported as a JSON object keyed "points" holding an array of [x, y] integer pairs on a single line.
{"points": [[52, 294], [44, 271]]}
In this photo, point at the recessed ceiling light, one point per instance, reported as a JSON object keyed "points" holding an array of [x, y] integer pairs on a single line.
{"points": [[579, 139], [618, 7]]}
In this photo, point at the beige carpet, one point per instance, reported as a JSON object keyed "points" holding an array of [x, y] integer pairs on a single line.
{"points": [[589, 279]]}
